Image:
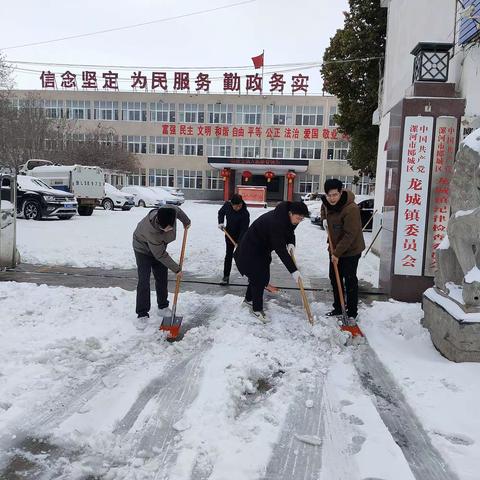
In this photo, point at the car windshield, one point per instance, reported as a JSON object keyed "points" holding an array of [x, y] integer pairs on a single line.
{"points": [[33, 183]]}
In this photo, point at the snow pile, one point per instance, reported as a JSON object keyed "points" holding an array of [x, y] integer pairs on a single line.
{"points": [[473, 140], [442, 393]]}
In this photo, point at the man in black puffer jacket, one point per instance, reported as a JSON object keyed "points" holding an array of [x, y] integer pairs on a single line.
{"points": [[273, 231], [238, 220]]}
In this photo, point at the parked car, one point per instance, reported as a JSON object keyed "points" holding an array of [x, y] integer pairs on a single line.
{"points": [[86, 183], [115, 198], [311, 196], [364, 202], [36, 200], [178, 194], [146, 197]]}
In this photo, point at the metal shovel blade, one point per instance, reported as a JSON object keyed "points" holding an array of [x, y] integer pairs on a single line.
{"points": [[172, 326]]}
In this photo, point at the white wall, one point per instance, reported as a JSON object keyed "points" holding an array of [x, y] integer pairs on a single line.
{"points": [[411, 22]]}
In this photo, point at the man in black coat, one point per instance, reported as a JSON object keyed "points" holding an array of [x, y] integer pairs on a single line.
{"points": [[238, 220], [274, 230]]}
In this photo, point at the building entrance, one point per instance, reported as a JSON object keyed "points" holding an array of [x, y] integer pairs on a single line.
{"points": [[275, 187]]}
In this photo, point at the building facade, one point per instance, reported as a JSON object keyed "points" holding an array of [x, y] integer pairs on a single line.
{"points": [[204, 143]]}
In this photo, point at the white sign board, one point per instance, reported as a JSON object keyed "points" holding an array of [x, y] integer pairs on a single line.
{"points": [[413, 195]]}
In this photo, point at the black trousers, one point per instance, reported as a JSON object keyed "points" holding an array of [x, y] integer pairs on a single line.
{"points": [[227, 264], [347, 269], [256, 286], [145, 265]]}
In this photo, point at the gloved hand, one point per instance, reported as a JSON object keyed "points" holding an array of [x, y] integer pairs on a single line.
{"points": [[325, 224], [291, 249], [296, 276], [221, 226]]}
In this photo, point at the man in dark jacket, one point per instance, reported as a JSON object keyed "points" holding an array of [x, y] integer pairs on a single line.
{"points": [[274, 230], [238, 220], [150, 240], [344, 224]]}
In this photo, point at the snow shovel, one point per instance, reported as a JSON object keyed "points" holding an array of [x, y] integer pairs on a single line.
{"points": [[270, 288], [172, 324], [306, 304], [346, 326]]}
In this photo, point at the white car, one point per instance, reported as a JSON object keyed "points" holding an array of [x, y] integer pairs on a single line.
{"points": [[114, 198], [145, 197], [178, 194]]}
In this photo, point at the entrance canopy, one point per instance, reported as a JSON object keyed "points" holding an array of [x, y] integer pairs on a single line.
{"points": [[279, 166]]}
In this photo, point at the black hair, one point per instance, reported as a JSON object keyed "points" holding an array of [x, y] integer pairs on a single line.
{"points": [[236, 199], [299, 208], [333, 184], [166, 217]]}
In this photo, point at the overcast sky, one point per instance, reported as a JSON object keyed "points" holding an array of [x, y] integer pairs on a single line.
{"points": [[288, 31]]}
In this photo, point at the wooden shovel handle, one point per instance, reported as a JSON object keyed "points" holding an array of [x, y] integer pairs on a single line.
{"points": [[177, 284], [306, 304], [337, 274], [235, 244]]}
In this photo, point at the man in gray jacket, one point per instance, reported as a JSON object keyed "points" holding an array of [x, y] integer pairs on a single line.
{"points": [[150, 240]]}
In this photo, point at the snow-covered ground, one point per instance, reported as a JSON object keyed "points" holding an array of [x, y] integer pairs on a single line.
{"points": [[84, 394], [104, 240]]}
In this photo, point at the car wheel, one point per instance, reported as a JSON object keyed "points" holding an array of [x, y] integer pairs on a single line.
{"points": [[84, 211], [32, 210], [107, 204], [141, 203]]}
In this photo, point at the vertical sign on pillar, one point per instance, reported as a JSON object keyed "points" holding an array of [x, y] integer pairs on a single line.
{"points": [[413, 195], [442, 169]]}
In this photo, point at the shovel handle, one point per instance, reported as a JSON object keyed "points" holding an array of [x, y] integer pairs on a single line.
{"points": [[235, 244], [306, 305], [337, 277], [177, 284]]}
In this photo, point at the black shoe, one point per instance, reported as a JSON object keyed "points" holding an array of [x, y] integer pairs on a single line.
{"points": [[334, 313], [225, 281], [143, 315]]}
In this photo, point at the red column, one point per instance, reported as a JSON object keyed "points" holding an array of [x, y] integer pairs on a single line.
{"points": [[290, 189], [226, 186]]}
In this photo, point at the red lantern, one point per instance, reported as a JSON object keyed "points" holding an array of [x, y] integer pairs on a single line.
{"points": [[291, 176], [247, 175], [225, 173], [269, 175]]}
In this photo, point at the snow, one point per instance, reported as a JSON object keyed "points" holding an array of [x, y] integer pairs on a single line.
{"points": [[473, 140], [444, 244], [105, 240], [6, 205], [473, 275], [119, 403], [450, 306], [463, 213], [443, 394]]}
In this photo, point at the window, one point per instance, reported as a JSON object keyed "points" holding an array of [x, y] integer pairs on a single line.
{"points": [[108, 139], [219, 113], [219, 147], [338, 150], [308, 183], [249, 114], [191, 113], [134, 111], [104, 110], [161, 177], [162, 146], [78, 110], [346, 180], [278, 149], [305, 115], [162, 112], [247, 148], [214, 180], [190, 146], [279, 115], [189, 179], [305, 149], [331, 116], [135, 144], [53, 108]]}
